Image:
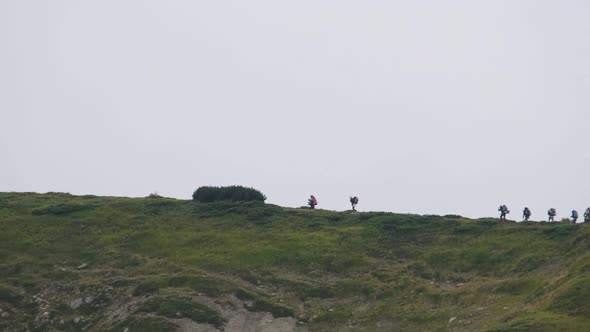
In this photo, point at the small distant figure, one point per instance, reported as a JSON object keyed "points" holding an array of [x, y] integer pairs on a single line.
{"points": [[574, 216], [312, 202], [354, 201], [552, 213], [526, 214], [503, 212], [587, 215]]}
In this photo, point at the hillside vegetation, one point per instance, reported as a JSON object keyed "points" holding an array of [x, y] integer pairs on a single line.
{"points": [[73, 263]]}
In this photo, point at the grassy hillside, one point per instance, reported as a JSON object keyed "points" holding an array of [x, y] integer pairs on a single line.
{"points": [[69, 263]]}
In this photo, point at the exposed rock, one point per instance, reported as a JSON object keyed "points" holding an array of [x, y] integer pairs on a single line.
{"points": [[83, 266], [75, 304], [187, 325], [452, 319], [5, 315]]}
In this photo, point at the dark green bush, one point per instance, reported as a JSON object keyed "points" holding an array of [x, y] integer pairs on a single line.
{"points": [[154, 195], [261, 305], [207, 285], [146, 288], [8, 295], [209, 194], [244, 295], [321, 292]]}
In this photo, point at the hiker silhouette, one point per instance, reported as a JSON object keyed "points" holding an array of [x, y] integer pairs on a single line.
{"points": [[552, 213], [503, 212], [526, 214], [574, 216], [354, 201]]}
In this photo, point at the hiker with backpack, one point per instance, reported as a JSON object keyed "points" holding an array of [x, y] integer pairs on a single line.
{"points": [[587, 215], [354, 201], [503, 212], [312, 202], [526, 214], [574, 216], [552, 213]]}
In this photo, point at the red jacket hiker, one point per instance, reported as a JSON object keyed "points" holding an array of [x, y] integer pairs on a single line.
{"points": [[312, 201]]}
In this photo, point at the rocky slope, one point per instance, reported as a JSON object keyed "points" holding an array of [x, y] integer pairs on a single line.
{"points": [[87, 263]]}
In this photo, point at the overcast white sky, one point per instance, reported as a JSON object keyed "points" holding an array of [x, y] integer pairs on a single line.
{"points": [[415, 106]]}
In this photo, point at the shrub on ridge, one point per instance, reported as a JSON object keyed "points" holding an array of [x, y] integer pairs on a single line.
{"points": [[208, 194]]}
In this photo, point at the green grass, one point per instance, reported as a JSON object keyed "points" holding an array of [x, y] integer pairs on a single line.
{"points": [[373, 270], [202, 284], [60, 209], [574, 299], [145, 324], [173, 307]]}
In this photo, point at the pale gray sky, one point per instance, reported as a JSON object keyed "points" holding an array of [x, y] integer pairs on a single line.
{"points": [[414, 106]]}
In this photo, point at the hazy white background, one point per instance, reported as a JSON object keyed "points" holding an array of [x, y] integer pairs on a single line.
{"points": [[414, 106]]}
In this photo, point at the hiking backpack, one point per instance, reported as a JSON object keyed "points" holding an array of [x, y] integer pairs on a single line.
{"points": [[574, 214]]}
